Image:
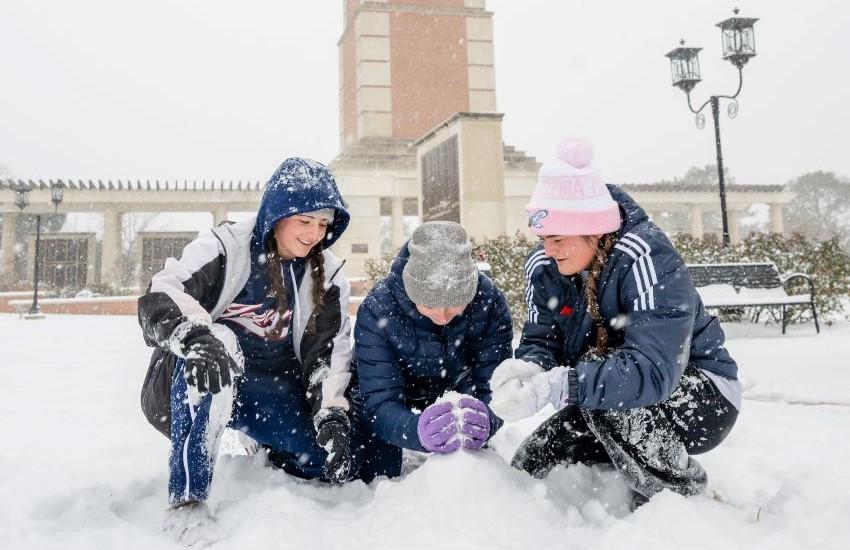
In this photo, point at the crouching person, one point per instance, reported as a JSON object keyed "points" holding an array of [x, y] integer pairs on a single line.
{"points": [[252, 332], [617, 339], [433, 325]]}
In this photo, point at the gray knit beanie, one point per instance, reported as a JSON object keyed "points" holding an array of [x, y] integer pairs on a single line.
{"points": [[440, 271]]}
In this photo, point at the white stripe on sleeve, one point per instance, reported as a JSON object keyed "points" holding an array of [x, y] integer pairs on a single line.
{"points": [[643, 268]]}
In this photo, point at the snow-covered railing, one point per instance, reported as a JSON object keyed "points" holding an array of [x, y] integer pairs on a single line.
{"points": [[756, 284], [137, 185]]}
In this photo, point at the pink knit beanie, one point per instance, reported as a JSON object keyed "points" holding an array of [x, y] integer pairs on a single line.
{"points": [[569, 197]]}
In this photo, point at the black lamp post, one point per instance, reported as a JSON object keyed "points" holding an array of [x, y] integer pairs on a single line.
{"points": [[738, 47], [22, 200]]}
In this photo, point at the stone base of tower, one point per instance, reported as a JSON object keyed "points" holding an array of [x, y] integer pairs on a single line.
{"points": [[377, 178], [384, 182]]}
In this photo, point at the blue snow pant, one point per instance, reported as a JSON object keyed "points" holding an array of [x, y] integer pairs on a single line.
{"points": [[271, 408]]}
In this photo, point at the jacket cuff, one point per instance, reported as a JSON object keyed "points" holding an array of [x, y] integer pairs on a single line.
{"points": [[572, 376], [335, 414], [175, 341], [411, 435], [495, 422]]}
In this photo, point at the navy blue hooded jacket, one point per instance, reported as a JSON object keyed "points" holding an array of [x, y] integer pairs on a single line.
{"points": [[656, 321], [298, 186], [403, 360]]}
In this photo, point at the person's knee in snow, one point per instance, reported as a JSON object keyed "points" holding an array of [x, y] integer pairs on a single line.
{"points": [[270, 288]]}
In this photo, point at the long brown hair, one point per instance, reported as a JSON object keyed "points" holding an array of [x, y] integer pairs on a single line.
{"points": [[603, 249], [316, 263]]}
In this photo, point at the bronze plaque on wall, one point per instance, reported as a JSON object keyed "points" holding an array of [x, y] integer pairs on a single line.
{"points": [[441, 183]]}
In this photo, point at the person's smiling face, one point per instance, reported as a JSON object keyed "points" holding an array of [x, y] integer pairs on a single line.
{"points": [[297, 235], [572, 253]]}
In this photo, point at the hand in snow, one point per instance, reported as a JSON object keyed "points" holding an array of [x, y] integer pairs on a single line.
{"points": [[520, 389], [474, 421], [207, 364], [437, 428], [334, 435]]}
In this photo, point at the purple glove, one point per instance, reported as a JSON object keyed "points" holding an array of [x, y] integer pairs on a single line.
{"points": [[474, 423], [437, 428]]}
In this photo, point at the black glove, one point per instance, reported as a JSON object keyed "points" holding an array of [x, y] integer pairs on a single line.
{"points": [[208, 365], [334, 435]]}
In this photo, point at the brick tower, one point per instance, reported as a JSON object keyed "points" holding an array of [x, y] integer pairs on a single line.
{"points": [[420, 138], [408, 65]]}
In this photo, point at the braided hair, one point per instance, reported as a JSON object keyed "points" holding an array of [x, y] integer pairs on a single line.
{"points": [[603, 249]]}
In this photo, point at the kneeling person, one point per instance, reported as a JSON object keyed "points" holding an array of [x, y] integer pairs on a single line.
{"points": [[433, 325], [617, 339], [251, 331]]}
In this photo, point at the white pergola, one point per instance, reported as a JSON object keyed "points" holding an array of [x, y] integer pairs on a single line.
{"points": [[113, 199]]}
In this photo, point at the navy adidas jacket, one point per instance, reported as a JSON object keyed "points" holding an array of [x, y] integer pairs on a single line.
{"points": [[404, 361], [656, 321]]}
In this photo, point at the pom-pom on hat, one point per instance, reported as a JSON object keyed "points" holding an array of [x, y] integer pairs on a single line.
{"points": [[570, 197]]}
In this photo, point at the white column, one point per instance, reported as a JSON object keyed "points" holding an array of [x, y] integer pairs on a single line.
{"points": [[110, 267], [696, 221], [776, 222], [734, 227], [219, 215], [7, 248], [398, 221]]}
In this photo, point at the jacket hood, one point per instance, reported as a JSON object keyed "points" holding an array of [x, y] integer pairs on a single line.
{"points": [[298, 186], [632, 214]]}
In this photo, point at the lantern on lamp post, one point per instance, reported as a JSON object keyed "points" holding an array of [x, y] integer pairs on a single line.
{"points": [[22, 200], [22, 195], [684, 66], [739, 45], [739, 39], [57, 193]]}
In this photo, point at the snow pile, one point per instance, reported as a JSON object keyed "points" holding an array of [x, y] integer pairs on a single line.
{"points": [[80, 468]]}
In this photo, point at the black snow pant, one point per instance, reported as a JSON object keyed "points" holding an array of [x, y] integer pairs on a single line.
{"points": [[651, 446]]}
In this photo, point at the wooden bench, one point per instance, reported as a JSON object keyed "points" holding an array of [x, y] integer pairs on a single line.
{"points": [[740, 285]]}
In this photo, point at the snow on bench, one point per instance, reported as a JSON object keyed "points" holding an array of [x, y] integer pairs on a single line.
{"points": [[739, 285]]}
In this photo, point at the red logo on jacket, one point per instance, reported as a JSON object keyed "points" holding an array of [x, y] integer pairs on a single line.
{"points": [[566, 310]]}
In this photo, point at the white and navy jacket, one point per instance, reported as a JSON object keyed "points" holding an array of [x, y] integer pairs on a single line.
{"points": [[656, 322], [214, 269], [199, 286]]}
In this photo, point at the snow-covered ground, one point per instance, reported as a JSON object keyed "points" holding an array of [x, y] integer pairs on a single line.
{"points": [[80, 468]]}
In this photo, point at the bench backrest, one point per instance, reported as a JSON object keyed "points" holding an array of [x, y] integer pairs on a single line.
{"points": [[739, 275]]}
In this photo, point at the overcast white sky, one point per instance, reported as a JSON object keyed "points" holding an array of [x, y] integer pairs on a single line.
{"points": [[225, 90]]}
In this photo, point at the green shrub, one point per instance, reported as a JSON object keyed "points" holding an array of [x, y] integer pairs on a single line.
{"points": [[378, 268], [825, 261], [506, 256]]}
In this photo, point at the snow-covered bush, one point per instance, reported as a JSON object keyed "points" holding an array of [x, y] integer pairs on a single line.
{"points": [[378, 268], [824, 260], [507, 256]]}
